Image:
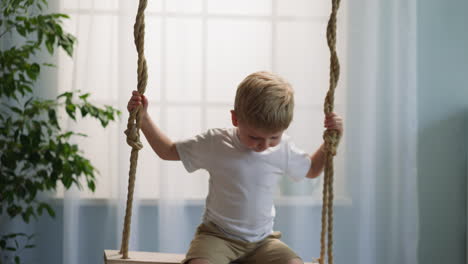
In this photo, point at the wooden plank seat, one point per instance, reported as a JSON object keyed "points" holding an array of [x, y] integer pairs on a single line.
{"points": [[140, 257]]}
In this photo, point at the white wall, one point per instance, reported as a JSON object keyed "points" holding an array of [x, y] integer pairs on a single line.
{"points": [[443, 111]]}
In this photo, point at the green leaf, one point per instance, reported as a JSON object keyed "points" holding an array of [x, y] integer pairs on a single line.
{"points": [[17, 260], [68, 49], [13, 235], [8, 161], [16, 109], [59, 15], [68, 43], [67, 135], [33, 71], [84, 96], [25, 88], [53, 118], [49, 209], [67, 181], [14, 210], [50, 43], [21, 31], [39, 210], [28, 101], [24, 140], [29, 212], [48, 156], [71, 108], [84, 111], [57, 164], [40, 37], [91, 186]]}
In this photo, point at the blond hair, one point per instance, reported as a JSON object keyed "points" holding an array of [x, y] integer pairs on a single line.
{"points": [[265, 101]]}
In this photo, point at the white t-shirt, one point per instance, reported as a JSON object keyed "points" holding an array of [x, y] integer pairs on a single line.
{"points": [[242, 182]]}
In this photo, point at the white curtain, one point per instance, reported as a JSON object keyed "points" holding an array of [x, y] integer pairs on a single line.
{"points": [[382, 130], [376, 212]]}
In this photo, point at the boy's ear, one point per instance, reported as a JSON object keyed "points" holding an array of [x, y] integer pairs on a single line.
{"points": [[234, 120]]}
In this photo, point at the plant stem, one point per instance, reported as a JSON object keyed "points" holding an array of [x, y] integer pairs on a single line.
{"points": [[6, 31]]}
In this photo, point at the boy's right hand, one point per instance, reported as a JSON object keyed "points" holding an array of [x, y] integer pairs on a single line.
{"points": [[136, 100]]}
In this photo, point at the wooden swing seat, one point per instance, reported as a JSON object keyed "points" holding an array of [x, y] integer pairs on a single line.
{"points": [[140, 257]]}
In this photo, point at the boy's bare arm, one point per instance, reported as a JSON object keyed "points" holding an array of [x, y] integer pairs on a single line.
{"points": [[161, 144], [318, 163]]}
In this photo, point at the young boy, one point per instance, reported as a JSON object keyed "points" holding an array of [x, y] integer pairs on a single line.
{"points": [[244, 163]]}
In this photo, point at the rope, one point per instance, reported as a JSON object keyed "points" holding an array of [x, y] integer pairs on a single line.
{"points": [[134, 122], [331, 138]]}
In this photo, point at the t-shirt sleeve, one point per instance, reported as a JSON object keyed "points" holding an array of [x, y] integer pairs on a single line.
{"points": [[195, 152], [298, 162]]}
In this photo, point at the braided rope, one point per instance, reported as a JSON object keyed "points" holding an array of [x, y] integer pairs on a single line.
{"points": [[331, 138], [134, 122]]}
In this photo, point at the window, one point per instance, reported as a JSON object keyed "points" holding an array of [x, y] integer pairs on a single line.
{"points": [[197, 52]]}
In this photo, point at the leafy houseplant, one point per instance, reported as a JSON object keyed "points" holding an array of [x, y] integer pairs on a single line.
{"points": [[36, 153]]}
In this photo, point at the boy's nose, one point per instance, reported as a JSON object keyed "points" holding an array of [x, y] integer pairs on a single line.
{"points": [[262, 145]]}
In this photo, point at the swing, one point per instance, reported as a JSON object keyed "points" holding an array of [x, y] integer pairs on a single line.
{"points": [[330, 137]]}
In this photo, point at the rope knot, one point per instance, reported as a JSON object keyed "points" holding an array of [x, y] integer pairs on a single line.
{"points": [[133, 137], [332, 139], [132, 131]]}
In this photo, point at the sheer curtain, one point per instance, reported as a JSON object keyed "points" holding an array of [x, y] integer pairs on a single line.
{"points": [[382, 130], [195, 47]]}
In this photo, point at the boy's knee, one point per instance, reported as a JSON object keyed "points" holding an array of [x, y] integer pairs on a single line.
{"points": [[295, 261], [198, 261]]}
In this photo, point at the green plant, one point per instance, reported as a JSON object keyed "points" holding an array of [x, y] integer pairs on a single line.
{"points": [[36, 153], [12, 245]]}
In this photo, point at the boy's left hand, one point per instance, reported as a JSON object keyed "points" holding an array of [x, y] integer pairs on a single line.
{"points": [[335, 122]]}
